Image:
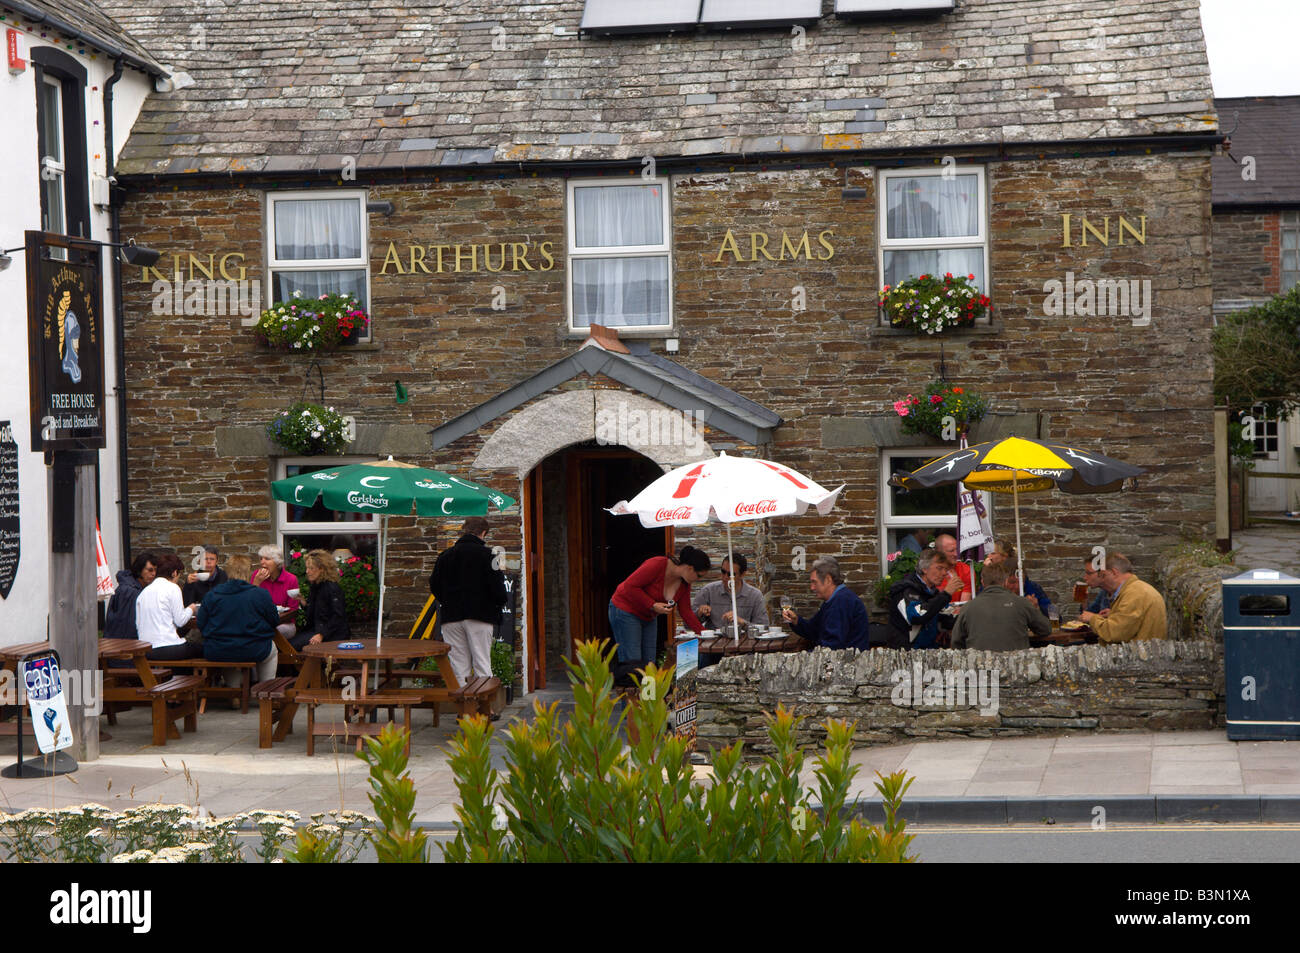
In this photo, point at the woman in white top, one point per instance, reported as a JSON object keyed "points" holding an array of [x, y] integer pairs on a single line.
{"points": [[159, 612]]}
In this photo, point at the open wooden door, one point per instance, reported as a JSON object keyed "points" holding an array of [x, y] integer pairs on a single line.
{"points": [[534, 583]]}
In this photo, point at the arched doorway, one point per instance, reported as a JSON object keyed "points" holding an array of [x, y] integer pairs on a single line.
{"points": [[575, 553]]}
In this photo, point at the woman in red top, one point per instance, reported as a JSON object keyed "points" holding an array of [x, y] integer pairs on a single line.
{"points": [[659, 584]]}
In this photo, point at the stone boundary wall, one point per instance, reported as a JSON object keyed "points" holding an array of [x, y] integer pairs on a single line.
{"points": [[895, 696]]}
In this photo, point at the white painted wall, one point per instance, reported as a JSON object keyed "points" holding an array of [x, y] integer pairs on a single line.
{"points": [[23, 614]]}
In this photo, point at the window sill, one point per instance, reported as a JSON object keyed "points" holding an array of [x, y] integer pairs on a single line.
{"points": [[626, 334], [890, 332]]}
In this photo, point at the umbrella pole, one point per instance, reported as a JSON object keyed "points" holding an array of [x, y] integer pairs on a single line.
{"points": [[1020, 559], [731, 584], [383, 547]]}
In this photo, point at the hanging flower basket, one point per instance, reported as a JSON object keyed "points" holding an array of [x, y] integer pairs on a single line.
{"points": [[930, 304], [944, 411], [309, 430], [311, 324]]}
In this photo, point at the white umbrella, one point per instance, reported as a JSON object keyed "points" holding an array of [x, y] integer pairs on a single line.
{"points": [[727, 490]]}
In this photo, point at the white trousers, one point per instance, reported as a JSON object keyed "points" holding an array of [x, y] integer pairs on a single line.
{"points": [[470, 642]]}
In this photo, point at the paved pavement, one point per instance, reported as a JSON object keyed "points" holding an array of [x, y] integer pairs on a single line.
{"points": [[1274, 546], [221, 768]]}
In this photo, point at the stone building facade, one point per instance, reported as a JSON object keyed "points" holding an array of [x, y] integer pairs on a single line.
{"points": [[771, 167]]}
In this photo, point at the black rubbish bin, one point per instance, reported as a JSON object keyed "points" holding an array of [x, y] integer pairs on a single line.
{"points": [[1261, 655]]}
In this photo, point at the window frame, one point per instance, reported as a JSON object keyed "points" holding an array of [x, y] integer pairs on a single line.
{"points": [[1288, 221], [283, 528], [54, 68], [664, 249], [886, 518], [885, 244], [274, 264]]}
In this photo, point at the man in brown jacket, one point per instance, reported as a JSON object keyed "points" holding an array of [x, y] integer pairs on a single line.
{"points": [[998, 620], [1137, 610]]}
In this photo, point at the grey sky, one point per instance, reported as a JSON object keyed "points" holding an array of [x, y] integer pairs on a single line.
{"points": [[1252, 46]]}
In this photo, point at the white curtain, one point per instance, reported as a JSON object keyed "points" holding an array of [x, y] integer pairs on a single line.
{"points": [[619, 292], [930, 206], [313, 284], [618, 215], [317, 229]]}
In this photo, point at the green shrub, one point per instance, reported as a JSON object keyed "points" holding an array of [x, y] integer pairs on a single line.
{"points": [[503, 662], [395, 838], [573, 792]]}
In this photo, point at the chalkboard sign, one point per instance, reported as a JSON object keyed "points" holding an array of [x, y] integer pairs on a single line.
{"points": [[8, 508]]}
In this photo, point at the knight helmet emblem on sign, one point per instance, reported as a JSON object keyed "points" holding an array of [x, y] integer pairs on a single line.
{"points": [[69, 338]]}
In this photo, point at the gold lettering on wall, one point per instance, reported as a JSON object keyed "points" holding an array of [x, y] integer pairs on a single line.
{"points": [[791, 248], [1102, 235]]}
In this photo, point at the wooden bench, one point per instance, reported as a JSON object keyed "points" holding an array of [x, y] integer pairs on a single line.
{"points": [[171, 701], [208, 669], [126, 677], [271, 696], [320, 696]]}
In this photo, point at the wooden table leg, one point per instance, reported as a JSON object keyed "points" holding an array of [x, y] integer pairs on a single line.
{"points": [[308, 677]]}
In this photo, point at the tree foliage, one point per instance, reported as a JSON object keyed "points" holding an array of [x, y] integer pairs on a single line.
{"points": [[1257, 356]]}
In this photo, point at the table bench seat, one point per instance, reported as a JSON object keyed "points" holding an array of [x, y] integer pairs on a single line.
{"points": [[207, 667], [173, 700], [322, 696], [271, 696]]}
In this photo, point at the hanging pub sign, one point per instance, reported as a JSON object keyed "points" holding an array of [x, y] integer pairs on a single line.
{"points": [[65, 340], [9, 534]]}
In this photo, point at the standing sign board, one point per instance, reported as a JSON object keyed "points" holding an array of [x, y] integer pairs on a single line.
{"points": [[9, 522], [688, 664], [65, 339], [44, 687]]}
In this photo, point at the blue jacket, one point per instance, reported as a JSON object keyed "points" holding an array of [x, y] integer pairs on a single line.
{"points": [[238, 622], [119, 617], [914, 612], [841, 622]]}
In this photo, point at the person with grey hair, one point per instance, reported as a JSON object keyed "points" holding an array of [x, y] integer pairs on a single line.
{"points": [[915, 602], [279, 582], [1137, 610], [842, 621], [199, 584]]}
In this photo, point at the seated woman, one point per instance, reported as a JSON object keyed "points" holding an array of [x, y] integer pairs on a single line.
{"points": [[327, 614], [159, 613], [238, 621], [1005, 553]]}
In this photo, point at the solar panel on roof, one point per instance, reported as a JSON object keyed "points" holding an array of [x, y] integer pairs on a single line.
{"points": [[851, 7], [639, 16], [728, 13]]}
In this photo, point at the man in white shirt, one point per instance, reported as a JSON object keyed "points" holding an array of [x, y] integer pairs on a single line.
{"points": [[159, 612]]}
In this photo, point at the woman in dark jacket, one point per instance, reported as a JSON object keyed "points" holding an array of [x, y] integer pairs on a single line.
{"points": [[327, 614]]}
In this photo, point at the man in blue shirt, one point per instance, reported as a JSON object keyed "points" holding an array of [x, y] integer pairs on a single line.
{"points": [[841, 622]]}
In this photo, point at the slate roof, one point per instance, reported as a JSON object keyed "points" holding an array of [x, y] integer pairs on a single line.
{"points": [[286, 85], [82, 20], [1266, 128], [651, 374]]}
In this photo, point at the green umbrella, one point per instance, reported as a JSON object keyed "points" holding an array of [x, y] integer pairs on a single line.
{"points": [[389, 488]]}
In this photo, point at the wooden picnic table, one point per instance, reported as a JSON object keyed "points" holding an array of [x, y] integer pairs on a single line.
{"points": [[1060, 636], [167, 701], [312, 688], [749, 645]]}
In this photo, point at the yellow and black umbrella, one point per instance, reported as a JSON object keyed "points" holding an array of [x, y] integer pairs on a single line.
{"points": [[1017, 465]]}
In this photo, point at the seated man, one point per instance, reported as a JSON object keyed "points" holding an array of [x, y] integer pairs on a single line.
{"points": [[1092, 579], [916, 601], [238, 621], [713, 601], [196, 589], [1137, 610], [998, 620], [841, 622], [946, 544]]}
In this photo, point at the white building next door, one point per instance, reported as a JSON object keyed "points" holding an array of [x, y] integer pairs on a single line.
{"points": [[1273, 454]]}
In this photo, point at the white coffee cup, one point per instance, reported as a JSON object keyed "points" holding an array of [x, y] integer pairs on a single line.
{"points": [[204, 576], [293, 593]]}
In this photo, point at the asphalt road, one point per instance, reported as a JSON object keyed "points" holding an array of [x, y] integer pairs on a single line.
{"points": [[1118, 843]]}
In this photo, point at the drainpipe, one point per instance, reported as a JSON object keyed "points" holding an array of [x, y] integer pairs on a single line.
{"points": [[119, 342]]}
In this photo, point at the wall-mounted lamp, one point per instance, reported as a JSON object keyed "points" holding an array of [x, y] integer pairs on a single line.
{"points": [[136, 254], [854, 192], [5, 259], [384, 207]]}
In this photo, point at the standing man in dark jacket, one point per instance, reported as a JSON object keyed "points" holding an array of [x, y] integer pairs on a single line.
{"points": [[915, 602], [471, 594], [238, 621], [119, 616]]}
